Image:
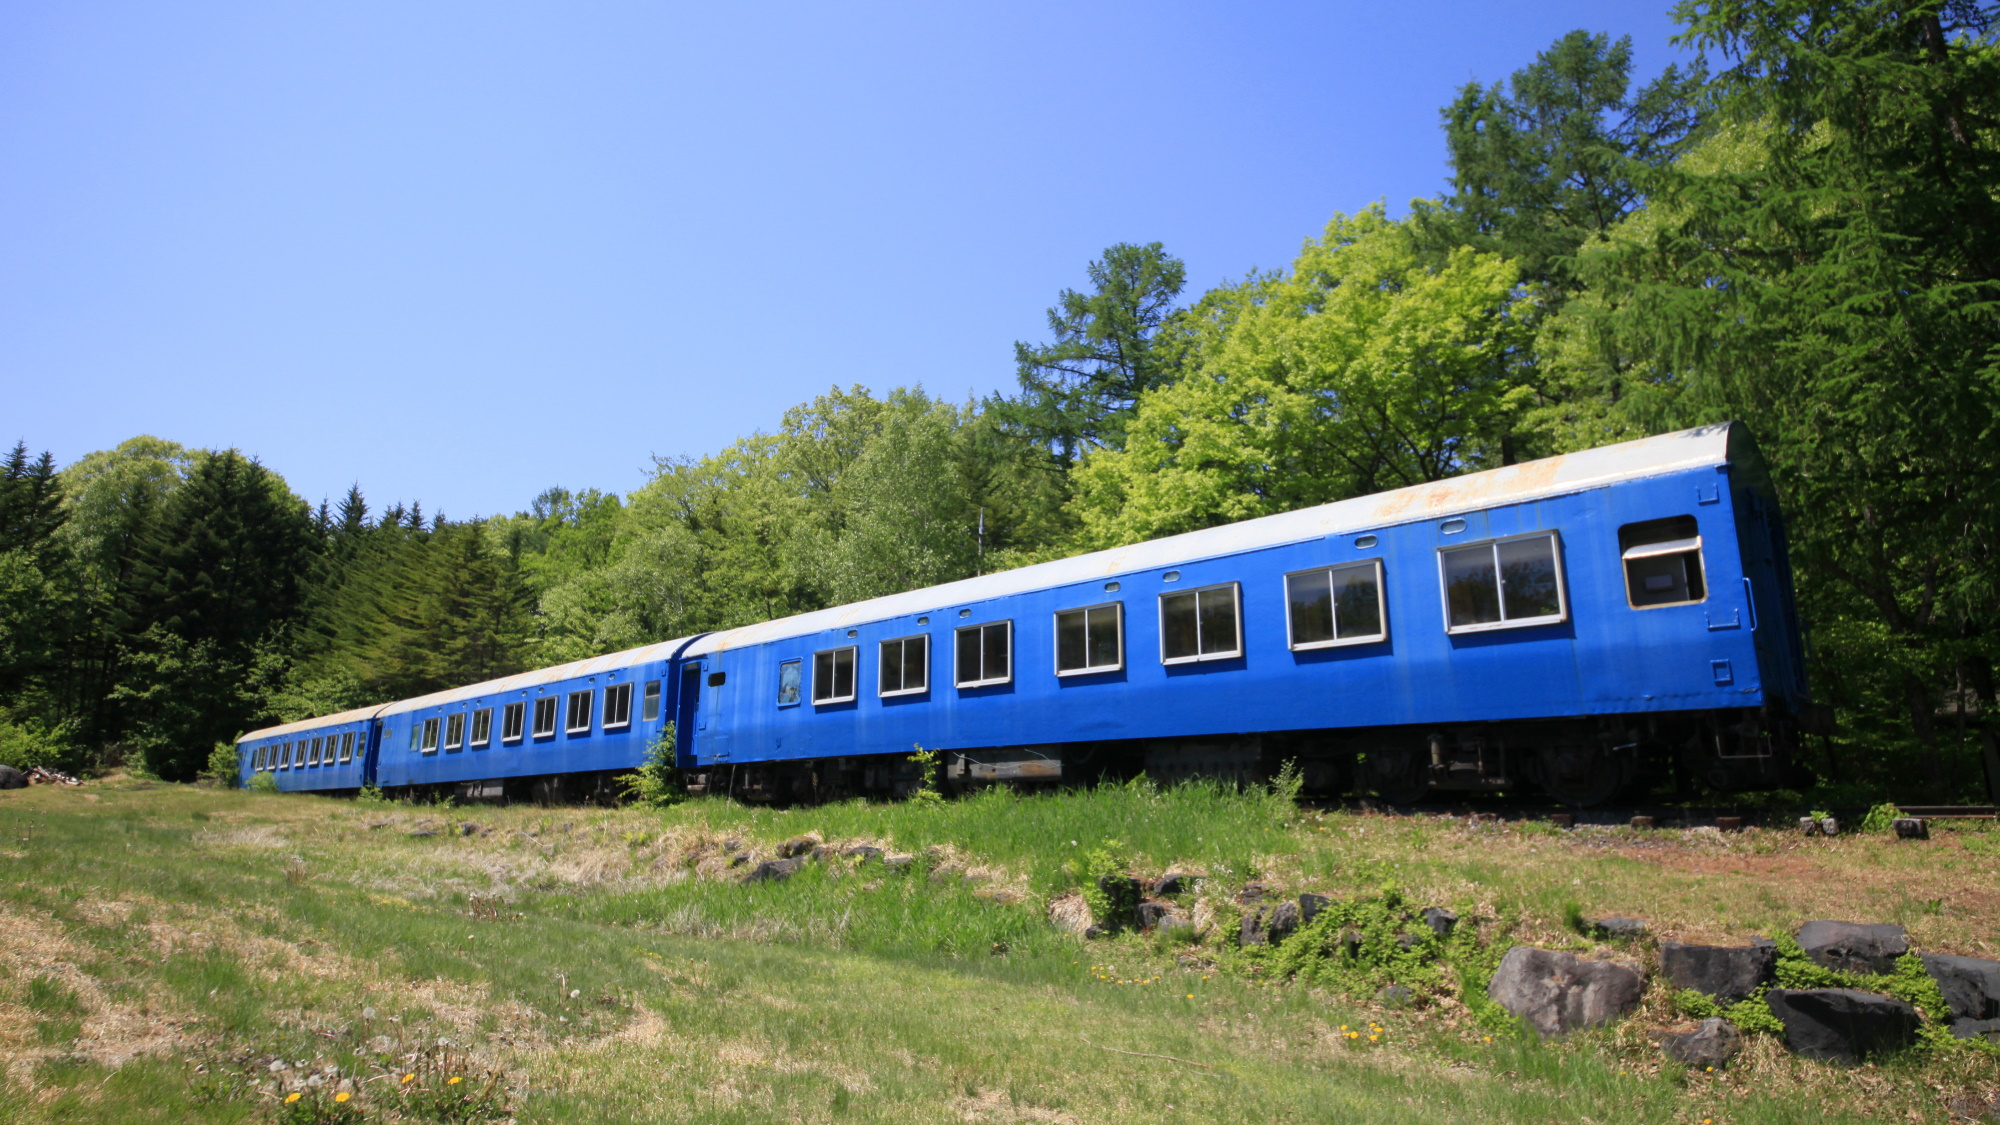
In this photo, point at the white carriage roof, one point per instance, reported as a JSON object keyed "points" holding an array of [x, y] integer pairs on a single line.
{"points": [[1532, 480]]}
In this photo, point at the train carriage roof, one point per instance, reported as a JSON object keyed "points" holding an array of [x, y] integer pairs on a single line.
{"points": [[1513, 484], [575, 669], [359, 714]]}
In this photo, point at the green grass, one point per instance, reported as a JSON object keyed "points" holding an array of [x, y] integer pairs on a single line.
{"points": [[164, 948]]}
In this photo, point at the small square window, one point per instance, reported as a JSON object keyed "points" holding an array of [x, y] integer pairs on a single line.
{"points": [[512, 718], [454, 731], [985, 654], [545, 716], [906, 665], [1090, 639], [1662, 562], [1340, 605], [1200, 625], [430, 742], [347, 747], [833, 675], [617, 706], [649, 706], [790, 672], [1502, 584], [482, 727], [578, 719]]}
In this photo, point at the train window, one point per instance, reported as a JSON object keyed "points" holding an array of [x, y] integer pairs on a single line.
{"points": [[1090, 639], [1340, 605], [833, 675], [512, 718], [906, 664], [454, 731], [284, 757], [430, 743], [578, 719], [545, 716], [1200, 625], [347, 747], [313, 758], [1503, 584], [789, 675], [256, 759], [986, 654], [482, 726], [1662, 562], [617, 706], [649, 706]]}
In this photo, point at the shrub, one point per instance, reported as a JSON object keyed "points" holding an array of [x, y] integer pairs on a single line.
{"points": [[656, 784]]}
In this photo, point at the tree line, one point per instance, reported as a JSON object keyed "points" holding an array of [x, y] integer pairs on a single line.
{"points": [[1803, 237]]}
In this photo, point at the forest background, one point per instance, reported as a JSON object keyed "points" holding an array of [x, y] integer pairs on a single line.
{"points": [[1806, 238]]}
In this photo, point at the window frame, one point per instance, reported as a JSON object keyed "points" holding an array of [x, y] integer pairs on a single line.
{"points": [[555, 716], [798, 689], [649, 702], [925, 640], [1236, 606], [589, 698], [1500, 585], [854, 676], [454, 722], [1055, 642], [621, 694], [346, 748], [979, 631], [1657, 548], [1338, 641], [256, 759], [513, 715], [432, 727], [285, 758], [481, 734]]}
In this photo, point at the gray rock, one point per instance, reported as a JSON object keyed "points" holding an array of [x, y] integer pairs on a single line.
{"points": [[1176, 925], [1407, 942], [1270, 925], [1094, 932], [422, 833], [1172, 883], [1971, 985], [898, 862], [1619, 927], [470, 829], [1714, 1043], [1842, 1024], [821, 853], [1252, 892], [1559, 992], [1309, 907], [1150, 914], [1440, 920], [1911, 828], [796, 846], [1988, 1030], [733, 844], [1727, 972], [774, 870], [1395, 996], [1854, 947], [11, 778], [862, 851], [738, 860]]}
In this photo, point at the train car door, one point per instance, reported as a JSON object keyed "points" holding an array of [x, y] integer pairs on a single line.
{"points": [[688, 717]]}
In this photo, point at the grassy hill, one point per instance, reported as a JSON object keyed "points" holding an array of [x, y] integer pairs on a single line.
{"points": [[174, 954]]}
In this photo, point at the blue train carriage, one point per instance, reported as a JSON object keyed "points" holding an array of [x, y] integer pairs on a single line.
{"points": [[1575, 623], [329, 754], [562, 733]]}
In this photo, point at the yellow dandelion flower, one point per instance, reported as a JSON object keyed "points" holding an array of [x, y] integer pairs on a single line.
{"points": [[342, 1096], [409, 1078], [1489, 1039], [290, 1098], [453, 1080], [1190, 995], [1343, 1027], [1373, 1038]]}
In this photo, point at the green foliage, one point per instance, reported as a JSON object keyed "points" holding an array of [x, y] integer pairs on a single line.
{"points": [[1881, 818], [928, 791], [266, 782], [1573, 919], [1106, 888], [318, 1106], [223, 764], [1359, 944], [1751, 1014], [26, 742], [657, 782]]}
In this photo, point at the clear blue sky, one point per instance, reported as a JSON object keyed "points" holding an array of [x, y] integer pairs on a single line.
{"points": [[460, 252]]}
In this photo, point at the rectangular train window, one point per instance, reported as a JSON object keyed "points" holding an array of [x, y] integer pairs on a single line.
{"points": [[257, 760], [833, 675], [430, 743], [906, 665], [545, 716], [1662, 562], [1200, 625], [482, 726], [512, 718], [578, 719], [1503, 584], [1090, 639], [789, 675], [347, 747], [986, 654], [285, 757], [617, 706], [1341, 605], [649, 705], [454, 731], [312, 756]]}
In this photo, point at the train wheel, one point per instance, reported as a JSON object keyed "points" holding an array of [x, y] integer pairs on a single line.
{"points": [[1399, 777], [1580, 775]]}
